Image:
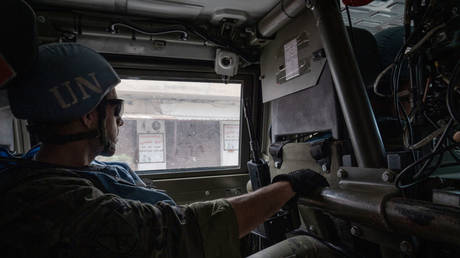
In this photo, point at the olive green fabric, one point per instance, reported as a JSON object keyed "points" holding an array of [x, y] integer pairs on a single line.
{"points": [[298, 246], [56, 213], [218, 225]]}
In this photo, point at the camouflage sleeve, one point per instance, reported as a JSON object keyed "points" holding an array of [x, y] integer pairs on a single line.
{"points": [[61, 215], [115, 227], [219, 228], [109, 226]]}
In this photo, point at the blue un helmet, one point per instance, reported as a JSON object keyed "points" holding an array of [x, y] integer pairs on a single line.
{"points": [[66, 82]]}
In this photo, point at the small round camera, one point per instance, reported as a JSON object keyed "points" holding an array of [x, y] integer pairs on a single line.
{"points": [[226, 61]]}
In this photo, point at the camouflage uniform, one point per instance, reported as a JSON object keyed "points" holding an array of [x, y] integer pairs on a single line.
{"points": [[50, 212], [58, 213]]}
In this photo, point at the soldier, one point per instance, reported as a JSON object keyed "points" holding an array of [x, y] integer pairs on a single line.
{"points": [[61, 206]]}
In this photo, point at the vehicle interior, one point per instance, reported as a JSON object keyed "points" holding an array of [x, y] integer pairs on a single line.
{"points": [[223, 95]]}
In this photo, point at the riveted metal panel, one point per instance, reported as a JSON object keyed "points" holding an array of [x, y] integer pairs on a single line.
{"points": [[275, 63]]}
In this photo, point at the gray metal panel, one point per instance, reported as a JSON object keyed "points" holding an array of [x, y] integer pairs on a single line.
{"points": [[188, 190], [272, 59], [147, 48], [310, 110]]}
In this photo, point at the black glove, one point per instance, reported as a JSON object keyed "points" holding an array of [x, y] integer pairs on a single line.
{"points": [[304, 181]]}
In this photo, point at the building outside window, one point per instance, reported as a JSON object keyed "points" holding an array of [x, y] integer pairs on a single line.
{"points": [[177, 125]]}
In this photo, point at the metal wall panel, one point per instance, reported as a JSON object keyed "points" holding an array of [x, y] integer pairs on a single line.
{"points": [[310, 110], [276, 59]]}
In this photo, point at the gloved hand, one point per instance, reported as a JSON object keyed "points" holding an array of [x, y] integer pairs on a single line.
{"points": [[304, 182]]}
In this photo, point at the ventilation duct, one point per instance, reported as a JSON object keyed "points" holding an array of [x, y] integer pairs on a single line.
{"points": [[279, 16], [152, 8]]}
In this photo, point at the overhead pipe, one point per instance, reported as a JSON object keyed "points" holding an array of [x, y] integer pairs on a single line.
{"points": [[279, 16], [157, 9], [348, 82]]}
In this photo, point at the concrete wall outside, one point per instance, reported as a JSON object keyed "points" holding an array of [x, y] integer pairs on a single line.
{"points": [[188, 144]]}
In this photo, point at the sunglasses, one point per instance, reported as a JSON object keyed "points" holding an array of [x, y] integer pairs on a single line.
{"points": [[118, 104]]}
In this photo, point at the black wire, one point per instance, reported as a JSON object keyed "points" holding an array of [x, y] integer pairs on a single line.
{"points": [[396, 74], [450, 93], [432, 169], [184, 29], [399, 107], [416, 78], [412, 80], [454, 156], [435, 150], [253, 142], [404, 172], [424, 178], [444, 135], [167, 30], [421, 173], [350, 25], [436, 147], [411, 132], [419, 79], [430, 120], [422, 169]]}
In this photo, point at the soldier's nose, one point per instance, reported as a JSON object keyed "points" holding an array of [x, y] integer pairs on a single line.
{"points": [[120, 122]]}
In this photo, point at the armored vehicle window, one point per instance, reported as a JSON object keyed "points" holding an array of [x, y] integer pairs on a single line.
{"points": [[177, 125]]}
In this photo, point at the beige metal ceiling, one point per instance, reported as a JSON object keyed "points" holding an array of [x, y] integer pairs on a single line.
{"points": [[246, 11], [254, 9]]}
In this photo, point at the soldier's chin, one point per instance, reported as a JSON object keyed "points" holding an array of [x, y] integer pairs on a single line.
{"points": [[109, 150]]}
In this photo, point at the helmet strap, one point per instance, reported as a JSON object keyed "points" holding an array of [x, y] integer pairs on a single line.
{"points": [[47, 136]]}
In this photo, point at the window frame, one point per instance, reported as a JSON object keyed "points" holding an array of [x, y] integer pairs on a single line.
{"points": [[198, 73]]}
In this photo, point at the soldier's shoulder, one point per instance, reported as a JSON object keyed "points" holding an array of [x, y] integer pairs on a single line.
{"points": [[26, 177]]}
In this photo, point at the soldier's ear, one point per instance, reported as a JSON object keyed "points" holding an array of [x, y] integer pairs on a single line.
{"points": [[90, 120]]}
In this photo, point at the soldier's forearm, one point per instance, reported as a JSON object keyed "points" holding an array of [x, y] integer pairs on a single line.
{"points": [[254, 208]]}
